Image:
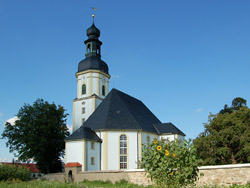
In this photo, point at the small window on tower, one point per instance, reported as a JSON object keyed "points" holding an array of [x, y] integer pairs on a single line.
{"points": [[83, 89], [103, 90], [98, 50], [83, 110], [92, 161], [88, 48], [83, 120], [92, 145]]}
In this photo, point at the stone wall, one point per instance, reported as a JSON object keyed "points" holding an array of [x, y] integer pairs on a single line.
{"points": [[224, 175], [209, 175]]}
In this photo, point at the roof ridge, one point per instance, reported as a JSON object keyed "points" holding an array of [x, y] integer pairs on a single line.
{"points": [[156, 129]]}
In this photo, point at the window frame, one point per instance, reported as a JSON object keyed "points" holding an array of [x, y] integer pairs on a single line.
{"points": [[103, 90], [92, 145], [92, 160], [83, 110], [84, 89], [123, 151], [83, 120]]}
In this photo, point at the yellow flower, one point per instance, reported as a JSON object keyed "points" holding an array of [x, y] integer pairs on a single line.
{"points": [[159, 148], [174, 155], [171, 173], [166, 152], [155, 142]]}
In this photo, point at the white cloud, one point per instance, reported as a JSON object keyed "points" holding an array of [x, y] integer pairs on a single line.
{"points": [[117, 76], [70, 128], [12, 120], [4, 160], [199, 110]]}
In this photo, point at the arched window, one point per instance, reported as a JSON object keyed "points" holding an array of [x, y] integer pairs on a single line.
{"points": [[123, 152], [103, 90], [83, 89], [88, 48], [98, 50]]}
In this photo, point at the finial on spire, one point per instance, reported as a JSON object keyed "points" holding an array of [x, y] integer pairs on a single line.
{"points": [[93, 14]]}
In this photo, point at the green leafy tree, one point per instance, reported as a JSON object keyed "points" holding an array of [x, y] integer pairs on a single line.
{"points": [[170, 164], [237, 103], [38, 134], [226, 139]]}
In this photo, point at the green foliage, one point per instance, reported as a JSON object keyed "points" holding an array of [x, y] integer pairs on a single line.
{"points": [[38, 134], [226, 139], [170, 164], [13, 172]]}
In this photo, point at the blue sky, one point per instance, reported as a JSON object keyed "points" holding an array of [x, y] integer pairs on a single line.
{"points": [[182, 58]]}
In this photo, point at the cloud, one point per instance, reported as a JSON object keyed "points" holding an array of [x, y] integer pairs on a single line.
{"points": [[12, 120], [117, 76], [1, 114], [4, 160], [199, 110]]}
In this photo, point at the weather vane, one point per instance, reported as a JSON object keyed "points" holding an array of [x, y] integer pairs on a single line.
{"points": [[93, 14]]}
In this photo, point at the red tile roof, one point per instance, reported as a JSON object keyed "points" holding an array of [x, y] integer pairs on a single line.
{"points": [[32, 167], [73, 165]]}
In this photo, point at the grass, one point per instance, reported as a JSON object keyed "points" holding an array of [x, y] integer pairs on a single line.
{"points": [[85, 184]]}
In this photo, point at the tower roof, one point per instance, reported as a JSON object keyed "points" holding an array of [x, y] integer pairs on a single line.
{"points": [[93, 59], [93, 63], [93, 32]]}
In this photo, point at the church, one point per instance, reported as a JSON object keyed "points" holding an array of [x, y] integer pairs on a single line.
{"points": [[109, 127]]}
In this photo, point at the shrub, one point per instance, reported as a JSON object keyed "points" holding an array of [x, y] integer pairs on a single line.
{"points": [[12, 172], [170, 164]]}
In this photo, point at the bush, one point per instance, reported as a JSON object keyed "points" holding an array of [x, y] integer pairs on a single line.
{"points": [[12, 172], [170, 164]]}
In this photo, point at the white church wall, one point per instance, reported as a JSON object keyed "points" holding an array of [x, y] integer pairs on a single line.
{"points": [[98, 101], [151, 136], [74, 151], [114, 150], [95, 80], [168, 137], [93, 153], [180, 137]]}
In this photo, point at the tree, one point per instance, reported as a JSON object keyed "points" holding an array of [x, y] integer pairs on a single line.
{"points": [[237, 103], [226, 139], [39, 134], [170, 164]]}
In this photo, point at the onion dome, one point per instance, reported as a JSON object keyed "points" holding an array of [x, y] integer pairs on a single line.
{"points": [[93, 52], [93, 32]]}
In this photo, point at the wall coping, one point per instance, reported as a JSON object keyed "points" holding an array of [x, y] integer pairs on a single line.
{"points": [[246, 165]]}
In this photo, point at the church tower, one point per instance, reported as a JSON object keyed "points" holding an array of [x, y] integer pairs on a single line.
{"points": [[92, 79]]}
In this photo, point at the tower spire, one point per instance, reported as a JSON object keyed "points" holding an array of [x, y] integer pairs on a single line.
{"points": [[93, 14]]}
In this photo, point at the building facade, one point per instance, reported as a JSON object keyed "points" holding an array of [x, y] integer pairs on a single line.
{"points": [[109, 128]]}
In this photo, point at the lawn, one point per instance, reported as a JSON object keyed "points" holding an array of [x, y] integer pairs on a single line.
{"points": [[85, 184]]}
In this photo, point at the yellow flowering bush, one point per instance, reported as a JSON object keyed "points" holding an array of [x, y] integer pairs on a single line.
{"points": [[170, 164], [159, 148]]}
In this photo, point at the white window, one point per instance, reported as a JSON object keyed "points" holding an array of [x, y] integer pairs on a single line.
{"points": [[148, 140], [103, 90], [123, 152], [83, 110], [92, 161], [92, 145]]}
